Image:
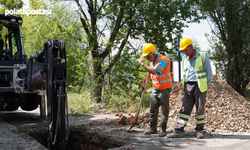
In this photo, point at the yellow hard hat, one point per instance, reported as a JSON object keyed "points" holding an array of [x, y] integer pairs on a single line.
{"points": [[148, 48], [185, 42]]}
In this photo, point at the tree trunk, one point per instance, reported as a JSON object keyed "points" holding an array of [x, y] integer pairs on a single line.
{"points": [[237, 77], [97, 82]]}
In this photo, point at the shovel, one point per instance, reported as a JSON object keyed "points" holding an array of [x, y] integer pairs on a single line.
{"points": [[136, 118]]}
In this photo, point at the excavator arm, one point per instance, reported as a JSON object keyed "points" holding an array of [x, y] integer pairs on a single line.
{"points": [[57, 105]]}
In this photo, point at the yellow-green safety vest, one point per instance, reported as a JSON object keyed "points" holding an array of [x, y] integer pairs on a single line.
{"points": [[200, 72], [3, 35]]}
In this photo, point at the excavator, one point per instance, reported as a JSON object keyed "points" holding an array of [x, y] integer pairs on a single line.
{"points": [[26, 82]]}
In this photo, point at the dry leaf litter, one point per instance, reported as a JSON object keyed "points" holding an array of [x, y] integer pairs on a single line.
{"points": [[225, 110]]}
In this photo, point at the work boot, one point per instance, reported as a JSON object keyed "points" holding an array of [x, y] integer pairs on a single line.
{"points": [[152, 129], [163, 133], [199, 135], [176, 135]]}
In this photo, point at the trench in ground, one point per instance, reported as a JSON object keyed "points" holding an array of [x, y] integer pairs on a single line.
{"points": [[76, 142]]}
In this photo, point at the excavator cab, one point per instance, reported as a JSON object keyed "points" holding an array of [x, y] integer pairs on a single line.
{"points": [[13, 49]]}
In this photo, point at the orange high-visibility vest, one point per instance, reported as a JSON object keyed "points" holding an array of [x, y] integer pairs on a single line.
{"points": [[162, 81]]}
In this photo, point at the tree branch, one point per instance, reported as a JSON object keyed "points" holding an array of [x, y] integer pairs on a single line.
{"points": [[83, 21], [113, 34], [124, 41], [88, 3], [103, 1]]}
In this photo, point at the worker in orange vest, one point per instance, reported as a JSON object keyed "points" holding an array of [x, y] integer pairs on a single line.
{"points": [[160, 75]]}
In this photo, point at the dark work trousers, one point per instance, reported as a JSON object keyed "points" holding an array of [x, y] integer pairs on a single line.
{"points": [[1, 49], [161, 98], [192, 95]]}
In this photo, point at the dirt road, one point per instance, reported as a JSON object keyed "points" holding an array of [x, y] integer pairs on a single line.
{"points": [[11, 138], [102, 131], [105, 128]]}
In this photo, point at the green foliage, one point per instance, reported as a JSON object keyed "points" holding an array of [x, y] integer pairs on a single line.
{"points": [[126, 103], [219, 55], [231, 26], [78, 103], [117, 102], [126, 77], [159, 21], [122, 86], [63, 24], [10, 5], [124, 74], [79, 72]]}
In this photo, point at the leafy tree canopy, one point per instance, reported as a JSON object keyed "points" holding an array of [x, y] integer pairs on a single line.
{"points": [[231, 28], [10, 4]]}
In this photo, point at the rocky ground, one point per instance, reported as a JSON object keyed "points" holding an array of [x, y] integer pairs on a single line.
{"points": [[225, 110]]}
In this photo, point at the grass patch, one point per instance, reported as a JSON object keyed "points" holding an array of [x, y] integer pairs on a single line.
{"points": [[117, 103], [81, 103], [127, 102], [78, 103]]}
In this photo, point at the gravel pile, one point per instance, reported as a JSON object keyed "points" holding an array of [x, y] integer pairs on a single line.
{"points": [[225, 110]]}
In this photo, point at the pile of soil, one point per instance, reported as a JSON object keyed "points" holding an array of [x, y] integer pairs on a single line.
{"points": [[225, 110]]}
